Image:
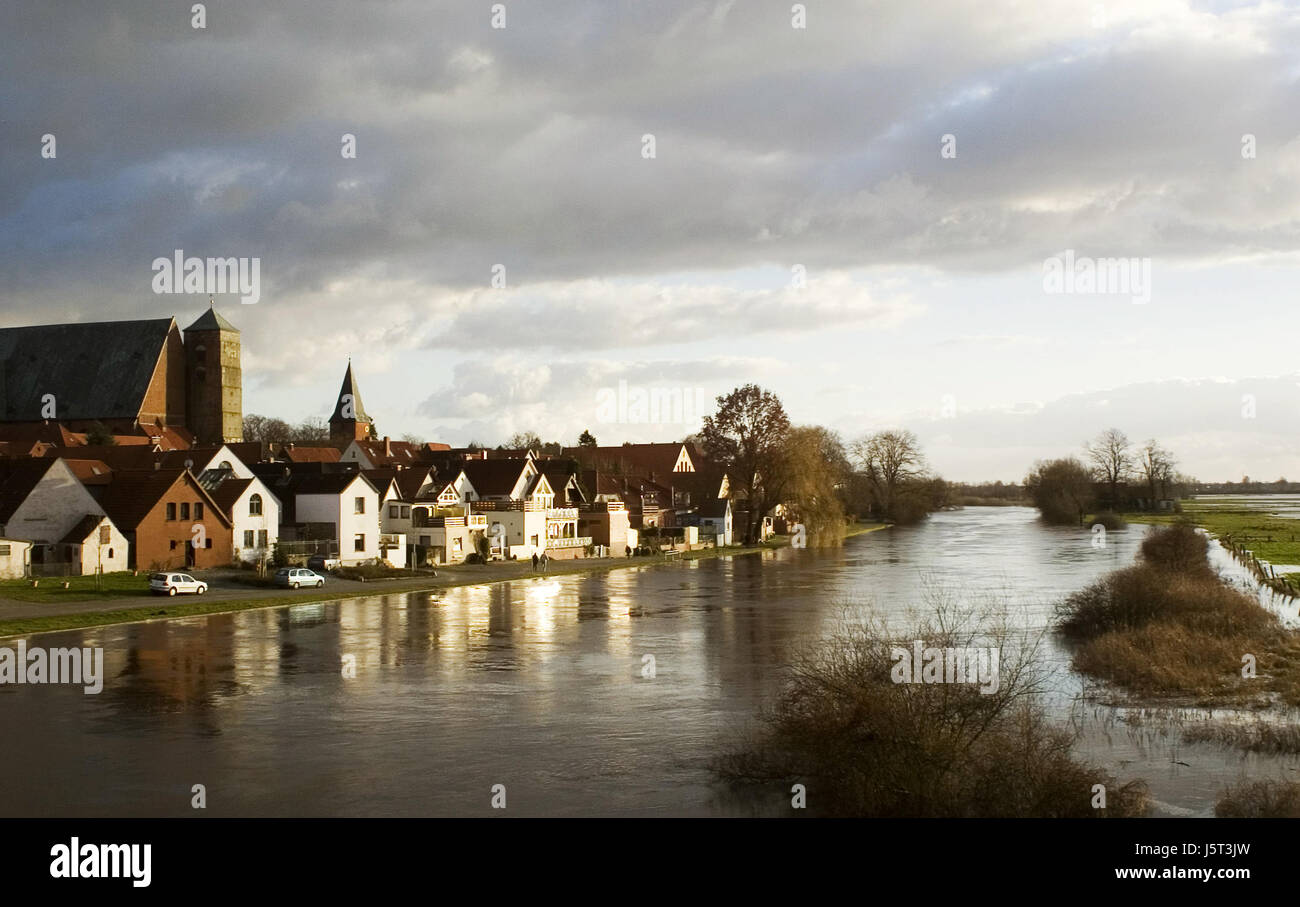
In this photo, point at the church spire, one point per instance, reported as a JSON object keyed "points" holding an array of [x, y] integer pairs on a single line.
{"points": [[349, 421]]}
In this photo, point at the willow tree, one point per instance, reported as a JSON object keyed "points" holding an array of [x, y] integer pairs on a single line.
{"points": [[817, 470]]}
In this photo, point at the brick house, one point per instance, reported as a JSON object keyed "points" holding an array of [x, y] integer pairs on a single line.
{"points": [[159, 511]]}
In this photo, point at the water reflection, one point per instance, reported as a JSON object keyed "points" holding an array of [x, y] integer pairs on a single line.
{"points": [[537, 684]]}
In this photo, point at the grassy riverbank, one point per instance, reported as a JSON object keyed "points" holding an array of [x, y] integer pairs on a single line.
{"points": [[1273, 538], [68, 606]]}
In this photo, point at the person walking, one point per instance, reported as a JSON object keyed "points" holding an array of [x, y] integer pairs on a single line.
{"points": [[534, 560], [545, 559]]}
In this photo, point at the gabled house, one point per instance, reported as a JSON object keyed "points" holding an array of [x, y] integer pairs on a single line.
{"points": [[169, 518], [388, 453], [334, 506], [253, 511], [653, 461], [41, 501]]}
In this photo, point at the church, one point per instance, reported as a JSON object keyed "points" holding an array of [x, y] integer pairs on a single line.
{"points": [[134, 378]]}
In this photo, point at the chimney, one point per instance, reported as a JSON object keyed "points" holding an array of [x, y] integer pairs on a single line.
{"points": [[388, 446]]}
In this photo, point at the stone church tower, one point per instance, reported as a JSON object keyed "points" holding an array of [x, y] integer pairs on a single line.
{"points": [[213, 380]]}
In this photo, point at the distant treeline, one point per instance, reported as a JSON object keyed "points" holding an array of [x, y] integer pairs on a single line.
{"points": [[1245, 486], [987, 494]]}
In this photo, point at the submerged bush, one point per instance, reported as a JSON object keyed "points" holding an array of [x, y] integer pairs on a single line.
{"points": [[865, 745], [1178, 547], [1260, 800], [1169, 624], [1113, 522]]}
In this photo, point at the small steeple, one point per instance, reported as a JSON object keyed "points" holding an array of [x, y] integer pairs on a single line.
{"points": [[349, 421]]}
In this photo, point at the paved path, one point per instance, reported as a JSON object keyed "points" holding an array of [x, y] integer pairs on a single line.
{"points": [[222, 588]]}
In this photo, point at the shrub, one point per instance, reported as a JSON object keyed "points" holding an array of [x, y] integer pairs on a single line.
{"points": [[1113, 522], [867, 746], [1266, 799], [1169, 624], [1178, 547]]}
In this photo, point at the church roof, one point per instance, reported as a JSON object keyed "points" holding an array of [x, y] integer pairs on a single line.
{"points": [[350, 387], [95, 370], [211, 320]]}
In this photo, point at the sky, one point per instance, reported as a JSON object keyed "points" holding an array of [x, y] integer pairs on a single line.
{"points": [[860, 214]]}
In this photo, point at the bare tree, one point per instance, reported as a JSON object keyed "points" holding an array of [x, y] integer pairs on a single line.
{"points": [[889, 459], [1157, 467], [746, 437], [1112, 461]]}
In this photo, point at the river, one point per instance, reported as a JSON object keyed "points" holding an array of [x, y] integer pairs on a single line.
{"points": [[540, 686]]}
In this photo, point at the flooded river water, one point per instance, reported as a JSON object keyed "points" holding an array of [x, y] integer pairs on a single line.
{"points": [[536, 685]]}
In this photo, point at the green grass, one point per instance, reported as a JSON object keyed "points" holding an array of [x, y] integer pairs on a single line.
{"points": [[165, 609], [80, 588], [1273, 538], [126, 585]]}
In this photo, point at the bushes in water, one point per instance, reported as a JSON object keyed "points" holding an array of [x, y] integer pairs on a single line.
{"points": [[1112, 522], [1169, 625], [865, 745], [1266, 799]]}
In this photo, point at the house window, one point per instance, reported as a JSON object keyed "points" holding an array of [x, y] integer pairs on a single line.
{"points": [[171, 511], [358, 541], [393, 510], [172, 546], [198, 510], [358, 505], [455, 543], [406, 512], [255, 505], [207, 543], [5, 550], [110, 554], [261, 538], [185, 511], [248, 538]]}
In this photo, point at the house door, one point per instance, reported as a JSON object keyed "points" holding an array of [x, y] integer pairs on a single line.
{"points": [[189, 555]]}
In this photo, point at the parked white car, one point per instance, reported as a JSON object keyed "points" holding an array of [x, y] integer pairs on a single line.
{"points": [[296, 577], [176, 584]]}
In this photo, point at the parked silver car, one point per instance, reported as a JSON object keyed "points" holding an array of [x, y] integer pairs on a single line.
{"points": [[175, 583], [296, 577]]}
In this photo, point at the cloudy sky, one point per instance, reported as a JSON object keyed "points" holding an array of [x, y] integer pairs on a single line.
{"points": [[857, 214]]}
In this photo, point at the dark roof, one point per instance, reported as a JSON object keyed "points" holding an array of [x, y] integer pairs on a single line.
{"points": [[17, 479], [493, 477], [325, 482], [715, 508], [77, 534], [654, 460], [228, 492], [134, 492], [211, 320], [95, 370], [312, 454], [349, 387], [409, 481]]}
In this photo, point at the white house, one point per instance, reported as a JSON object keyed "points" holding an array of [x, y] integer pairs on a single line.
{"points": [[716, 519], [15, 555], [253, 511], [347, 501], [43, 501]]}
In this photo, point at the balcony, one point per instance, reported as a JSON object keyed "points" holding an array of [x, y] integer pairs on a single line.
{"points": [[562, 513], [581, 541]]}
